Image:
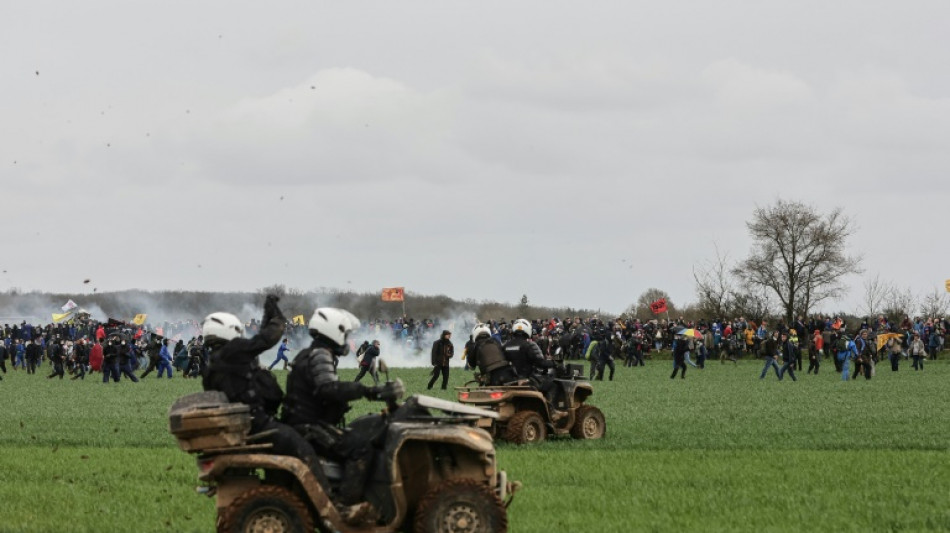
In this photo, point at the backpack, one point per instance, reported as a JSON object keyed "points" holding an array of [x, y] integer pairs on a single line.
{"points": [[841, 345]]}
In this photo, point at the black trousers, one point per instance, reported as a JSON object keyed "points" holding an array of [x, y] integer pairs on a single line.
{"points": [[600, 368], [57, 371], [862, 366], [436, 371], [679, 362], [152, 365], [354, 446]]}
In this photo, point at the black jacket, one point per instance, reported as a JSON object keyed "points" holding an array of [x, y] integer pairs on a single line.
{"points": [[525, 356], [235, 371], [442, 351], [315, 392]]}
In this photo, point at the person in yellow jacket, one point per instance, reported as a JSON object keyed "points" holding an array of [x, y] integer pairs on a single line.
{"points": [[749, 334]]}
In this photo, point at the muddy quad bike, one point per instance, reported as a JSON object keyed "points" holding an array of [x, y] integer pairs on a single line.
{"points": [[524, 416], [431, 473]]}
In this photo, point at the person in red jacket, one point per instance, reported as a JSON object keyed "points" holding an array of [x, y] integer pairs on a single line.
{"points": [[95, 356], [100, 333], [814, 352]]}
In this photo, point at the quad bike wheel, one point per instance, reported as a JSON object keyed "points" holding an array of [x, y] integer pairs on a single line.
{"points": [[461, 505], [589, 423], [266, 509], [526, 427]]}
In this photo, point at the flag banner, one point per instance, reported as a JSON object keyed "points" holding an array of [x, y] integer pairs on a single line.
{"points": [[393, 294], [59, 318], [298, 320], [70, 305], [948, 285], [139, 319], [882, 339], [114, 324], [658, 306]]}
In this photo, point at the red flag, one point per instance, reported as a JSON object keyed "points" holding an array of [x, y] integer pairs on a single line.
{"points": [[393, 294], [658, 306]]}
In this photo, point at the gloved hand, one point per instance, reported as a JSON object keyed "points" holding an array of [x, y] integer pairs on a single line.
{"points": [[390, 391], [271, 310]]}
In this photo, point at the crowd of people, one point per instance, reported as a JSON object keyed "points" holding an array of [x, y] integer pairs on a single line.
{"points": [[120, 349]]}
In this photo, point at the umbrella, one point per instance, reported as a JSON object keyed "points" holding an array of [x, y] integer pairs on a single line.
{"points": [[691, 332]]}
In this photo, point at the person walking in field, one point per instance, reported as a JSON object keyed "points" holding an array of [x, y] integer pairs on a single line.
{"points": [[845, 350], [917, 352], [894, 351], [680, 347], [368, 362], [789, 356], [442, 352], [166, 360], [814, 352], [770, 354]]}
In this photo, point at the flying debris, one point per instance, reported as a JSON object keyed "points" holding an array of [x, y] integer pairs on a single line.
{"points": [[94, 289], [37, 73], [87, 280]]}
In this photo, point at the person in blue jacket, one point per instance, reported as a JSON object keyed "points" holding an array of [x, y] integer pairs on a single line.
{"points": [[845, 350], [166, 360], [281, 355]]}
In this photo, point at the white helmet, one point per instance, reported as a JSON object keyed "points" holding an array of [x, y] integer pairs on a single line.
{"points": [[481, 329], [224, 326], [334, 324], [521, 325]]}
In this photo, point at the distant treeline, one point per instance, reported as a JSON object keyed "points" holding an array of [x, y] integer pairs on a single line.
{"points": [[185, 305]]}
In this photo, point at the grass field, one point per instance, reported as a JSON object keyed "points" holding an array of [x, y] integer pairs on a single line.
{"points": [[718, 451]]}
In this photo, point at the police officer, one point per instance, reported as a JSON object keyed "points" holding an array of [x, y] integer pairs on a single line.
{"points": [[234, 369], [317, 401], [529, 363], [492, 365]]}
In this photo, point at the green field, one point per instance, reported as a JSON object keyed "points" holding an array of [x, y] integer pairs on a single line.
{"points": [[718, 451]]}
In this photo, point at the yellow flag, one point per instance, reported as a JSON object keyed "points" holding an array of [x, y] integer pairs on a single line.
{"points": [[948, 285], [57, 318], [139, 319], [299, 320]]}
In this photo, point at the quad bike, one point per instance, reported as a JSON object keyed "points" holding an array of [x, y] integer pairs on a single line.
{"points": [[431, 473], [524, 416]]}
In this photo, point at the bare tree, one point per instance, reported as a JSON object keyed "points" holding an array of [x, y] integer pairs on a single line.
{"points": [[876, 293], [753, 303], [798, 255], [935, 304], [714, 286], [900, 303]]}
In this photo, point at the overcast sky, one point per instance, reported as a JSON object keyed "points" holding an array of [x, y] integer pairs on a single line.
{"points": [[576, 152]]}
